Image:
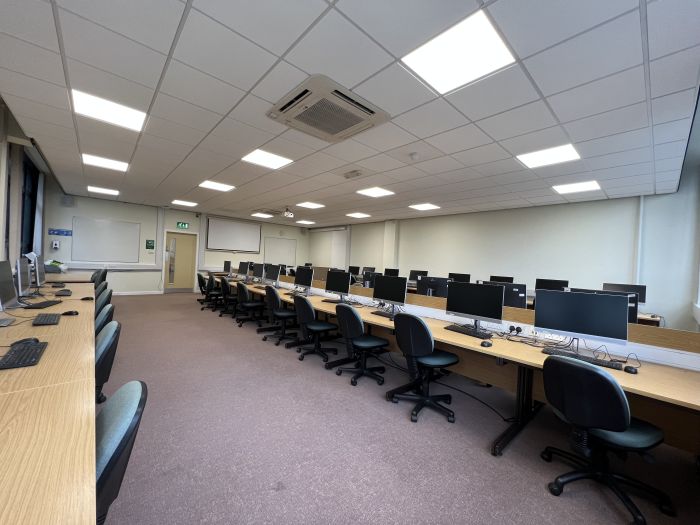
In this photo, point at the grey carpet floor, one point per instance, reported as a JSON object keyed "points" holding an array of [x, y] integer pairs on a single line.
{"points": [[239, 431]]}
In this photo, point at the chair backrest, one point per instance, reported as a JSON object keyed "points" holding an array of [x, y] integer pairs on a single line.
{"points": [[585, 395], [103, 317], [94, 275], [100, 288], [414, 339], [210, 283], [104, 299], [243, 293], [202, 283], [225, 288], [105, 349], [103, 275], [272, 299], [349, 321], [305, 312], [116, 427]]}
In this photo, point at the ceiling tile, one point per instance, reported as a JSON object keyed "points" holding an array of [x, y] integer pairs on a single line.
{"points": [[675, 72], [34, 89], [286, 148], [395, 90], [673, 25], [439, 165], [482, 155], [214, 49], [673, 107], [104, 140], [38, 129], [380, 162], [612, 143], [236, 139], [618, 172], [31, 60], [670, 131], [565, 168], [545, 138], [240, 173], [336, 48], [151, 23], [384, 137], [29, 20], [620, 158], [273, 24], [414, 152], [109, 51], [405, 173], [607, 49], [431, 119], [350, 150], [615, 121], [518, 121], [499, 92], [279, 81], [252, 111], [403, 25], [620, 89], [664, 176], [668, 164], [203, 90], [313, 164], [465, 175], [173, 131], [499, 167], [670, 150], [459, 139], [304, 139], [22, 107], [184, 113]]}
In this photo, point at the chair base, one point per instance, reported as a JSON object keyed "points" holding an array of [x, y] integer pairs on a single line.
{"points": [[280, 336], [99, 396], [421, 394], [241, 320], [597, 469], [361, 369], [317, 349]]}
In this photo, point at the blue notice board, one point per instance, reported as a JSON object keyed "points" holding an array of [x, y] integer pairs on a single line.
{"points": [[56, 231]]}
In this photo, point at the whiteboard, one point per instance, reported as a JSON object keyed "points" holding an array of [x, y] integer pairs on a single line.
{"points": [[281, 251], [233, 236], [105, 240]]}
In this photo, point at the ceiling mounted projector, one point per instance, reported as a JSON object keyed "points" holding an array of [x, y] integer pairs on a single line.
{"points": [[288, 213]]}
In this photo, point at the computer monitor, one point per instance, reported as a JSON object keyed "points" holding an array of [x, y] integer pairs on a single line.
{"points": [[459, 277], [338, 282], [39, 270], [8, 294], [24, 277], [243, 268], [250, 265], [551, 284], [601, 316], [258, 270], [391, 272], [389, 289], [308, 264], [432, 286], [639, 289], [514, 295], [368, 278], [367, 269], [283, 269], [632, 306], [227, 266], [480, 302], [272, 272], [500, 279], [413, 274], [303, 277], [354, 270]]}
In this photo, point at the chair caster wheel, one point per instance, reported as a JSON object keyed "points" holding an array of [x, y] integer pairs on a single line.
{"points": [[381, 370], [667, 508], [353, 382], [389, 398], [414, 418], [546, 455], [448, 401], [554, 488], [298, 350], [325, 359], [264, 338], [450, 419], [394, 400], [221, 314], [338, 372], [277, 343], [380, 381], [301, 358]]}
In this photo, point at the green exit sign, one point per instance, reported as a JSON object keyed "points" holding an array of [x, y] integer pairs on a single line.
{"points": [[183, 225]]}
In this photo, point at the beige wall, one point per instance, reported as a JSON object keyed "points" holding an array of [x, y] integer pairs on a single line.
{"points": [[367, 245]]}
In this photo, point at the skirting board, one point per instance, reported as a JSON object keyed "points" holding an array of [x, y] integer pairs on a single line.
{"points": [[146, 292]]}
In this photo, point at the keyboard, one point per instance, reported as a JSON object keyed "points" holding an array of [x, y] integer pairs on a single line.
{"points": [[64, 293], [58, 285], [470, 331], [22, 354], [332, 301], [41, 305], [46, 319], [382, 313], [593, 360], [6, 322]]}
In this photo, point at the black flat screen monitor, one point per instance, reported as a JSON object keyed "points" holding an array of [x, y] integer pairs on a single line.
{"points": [[633, 305], [24, 277], [250, 265], [258, 270], [459, 277], [304, 276], [391, 272], [514, 295], [338, 282], [390, 289], [243, 268], [639, 289], [308, 264], [8, 294], [367, 269], [481, 302], [551, 284], [583, 314], [501, 279], [368, 278], [433, 286], [227, 266], [413, 274], [40, 270], [354, 270], [272, 272]]}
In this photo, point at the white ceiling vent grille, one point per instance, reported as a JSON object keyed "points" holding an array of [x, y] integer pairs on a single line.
{"points": [[323, 108]]}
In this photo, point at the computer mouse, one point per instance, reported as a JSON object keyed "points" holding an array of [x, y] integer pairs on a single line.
{"points": [[630, 369], [71, 312], [486, 344], [26, 340], [87, 298]]}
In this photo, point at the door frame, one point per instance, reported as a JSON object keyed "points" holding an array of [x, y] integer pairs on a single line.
{"points": [[196, 256]]}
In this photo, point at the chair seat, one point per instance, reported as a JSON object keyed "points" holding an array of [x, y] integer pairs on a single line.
{"points": [[252, 304], [284, 314], [437, 359], [639, 436], [369, 342], [320, 326]]}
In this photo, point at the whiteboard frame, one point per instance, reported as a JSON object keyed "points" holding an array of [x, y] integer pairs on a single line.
{"points": [[206, 242], [104, 261]]}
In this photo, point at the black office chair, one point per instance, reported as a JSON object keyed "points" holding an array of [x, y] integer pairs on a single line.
{"points": [[213, 295], [103, 317], [312, 329], [278, 314], [116, 427], [94, 275], [360, 344], [100, 288], [100, 277], [105, 349], [228, 298], [423, 361], [103, 300], [246, 305], [593, 403], [202, 282]]}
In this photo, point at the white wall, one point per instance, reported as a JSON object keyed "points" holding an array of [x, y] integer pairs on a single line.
{"points": [[328, 248], [367, 245]]}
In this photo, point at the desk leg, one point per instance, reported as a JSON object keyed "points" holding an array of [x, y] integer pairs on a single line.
{"points": [[525, 410]]}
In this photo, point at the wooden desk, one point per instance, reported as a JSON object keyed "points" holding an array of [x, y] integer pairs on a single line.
{"points": [[47, 419], [69, 277]]}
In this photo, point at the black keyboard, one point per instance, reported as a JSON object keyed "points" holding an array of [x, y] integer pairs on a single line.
{"points": [[46, 319], [332, 301], [58, 285], [593, 360], [41, 305], [22, 354], [382, 313], [64, 293], [468, 330]]}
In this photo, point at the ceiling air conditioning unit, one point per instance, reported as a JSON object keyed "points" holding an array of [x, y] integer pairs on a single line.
{"points": [[323, 108]]}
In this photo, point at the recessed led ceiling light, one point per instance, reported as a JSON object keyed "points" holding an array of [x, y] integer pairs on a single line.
{"points": [[358, 215], [424, 207], [184, 203], [577, 187], [262, 215], [375, 192], [467, 51], [218, 186], [545, 157], [306, 222], [266, 159], [107, 111], [312, 205], [106, 191], [101, 162]]}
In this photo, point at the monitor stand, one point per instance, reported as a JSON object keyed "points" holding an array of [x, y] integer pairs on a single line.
{"points": [[390, 315], [342, 300]]}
